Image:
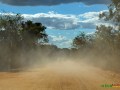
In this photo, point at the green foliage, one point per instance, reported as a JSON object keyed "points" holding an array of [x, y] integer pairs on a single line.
{"points": [[83, 41], [113, 13], [110, 35], [106, 40], [10, 27], [33, 33], [80, 40], [14, 31], [18, 37]]}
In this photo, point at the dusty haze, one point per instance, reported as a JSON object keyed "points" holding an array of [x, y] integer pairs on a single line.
{"points": [[59, 75]]}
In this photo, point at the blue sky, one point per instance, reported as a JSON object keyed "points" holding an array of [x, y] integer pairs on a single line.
{"points": [[74, 8], [63, 21]]}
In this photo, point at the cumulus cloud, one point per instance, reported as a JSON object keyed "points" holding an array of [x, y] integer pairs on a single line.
{"points": [[56, 21], [51, 2], [63, 22], [90, 20], [57, 38], [60, 40]]}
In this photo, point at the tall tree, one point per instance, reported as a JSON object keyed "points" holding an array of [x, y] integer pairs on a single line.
{"points": [[16, 35], [110, 35]]}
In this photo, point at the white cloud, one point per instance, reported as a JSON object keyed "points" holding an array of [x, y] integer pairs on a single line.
{"points": [[91, 20], [89, 15], [57, 38], [57, 21], [54, 20], [67, 43], [61, 41]]}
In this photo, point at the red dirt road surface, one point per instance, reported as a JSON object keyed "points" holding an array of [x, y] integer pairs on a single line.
{"points": [[65, 75]]}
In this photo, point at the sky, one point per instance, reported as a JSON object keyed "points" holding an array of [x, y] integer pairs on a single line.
{"points": [[64, 19]]}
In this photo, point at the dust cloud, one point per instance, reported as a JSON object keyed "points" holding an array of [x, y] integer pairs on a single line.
{"points": [[65, 74], [56, 69]]}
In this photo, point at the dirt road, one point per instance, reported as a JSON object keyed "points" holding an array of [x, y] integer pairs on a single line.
{"points": [[60, 76]]}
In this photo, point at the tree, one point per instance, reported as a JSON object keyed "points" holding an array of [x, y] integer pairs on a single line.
{"points": [[110, 35], [80, 40], [16, 32], [113, 13], [107, 41], [16, 35], [83, 41], [10, 26], [104, 37], [33, 33]]}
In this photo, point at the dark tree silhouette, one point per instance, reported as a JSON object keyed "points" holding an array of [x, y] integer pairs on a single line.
{"points": [[33, 33], [17, 37]]}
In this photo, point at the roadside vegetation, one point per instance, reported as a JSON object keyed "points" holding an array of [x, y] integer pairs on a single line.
{"points": [[104, 45], [24, 43]]}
